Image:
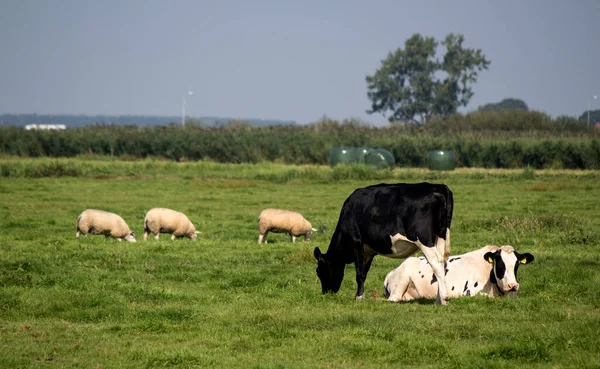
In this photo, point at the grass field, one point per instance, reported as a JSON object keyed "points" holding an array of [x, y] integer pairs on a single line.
{"points": [[225, 301]]}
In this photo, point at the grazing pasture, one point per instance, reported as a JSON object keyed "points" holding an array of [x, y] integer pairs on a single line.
{"points": [[225, 301]]}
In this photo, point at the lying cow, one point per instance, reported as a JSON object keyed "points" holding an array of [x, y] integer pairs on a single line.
{"points": [[491, 270], [394, 220]]}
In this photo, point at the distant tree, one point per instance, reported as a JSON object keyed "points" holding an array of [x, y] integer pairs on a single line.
{"points": [[506, 104], [238, 124], [413, 85], [594, 116]]}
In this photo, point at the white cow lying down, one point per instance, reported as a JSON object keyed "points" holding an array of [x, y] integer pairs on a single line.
{"points": [[491, 270]]}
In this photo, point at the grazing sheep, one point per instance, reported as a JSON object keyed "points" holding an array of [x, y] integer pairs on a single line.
{"points": [[162, 220], [98, 222], [283, 221]]}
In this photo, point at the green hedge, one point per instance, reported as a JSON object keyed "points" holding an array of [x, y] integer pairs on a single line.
{"points": [[491, 140]]}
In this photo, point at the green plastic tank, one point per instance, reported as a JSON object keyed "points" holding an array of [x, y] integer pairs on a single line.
{"points": [[342, 155], [360, 153], [380, 158], [441, 160]]}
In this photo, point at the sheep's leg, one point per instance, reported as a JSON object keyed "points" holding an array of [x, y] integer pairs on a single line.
{"points": [[260, 238], [173, 236], [77, 234], [265, 236], [156, 235], [145, 235], [293, 238]]}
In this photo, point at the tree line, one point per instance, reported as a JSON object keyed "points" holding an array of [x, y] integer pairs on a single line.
{"points": [[498, 139]]}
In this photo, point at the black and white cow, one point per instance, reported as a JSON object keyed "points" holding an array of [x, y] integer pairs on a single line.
{"points": [[491, 270], [394, 220]]}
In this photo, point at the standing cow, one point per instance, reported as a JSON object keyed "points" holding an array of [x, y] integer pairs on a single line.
{"points": [[394, 220], [490, 270]]}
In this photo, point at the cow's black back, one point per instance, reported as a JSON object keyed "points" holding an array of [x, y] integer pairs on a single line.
{"points": [[371, 214]]}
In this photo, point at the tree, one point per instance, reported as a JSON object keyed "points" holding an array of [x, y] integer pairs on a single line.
{"points": [[594, 116], [505, 104], [413, 85]]}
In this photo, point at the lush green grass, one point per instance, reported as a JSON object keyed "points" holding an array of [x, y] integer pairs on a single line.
{"points": [[225, 301]]}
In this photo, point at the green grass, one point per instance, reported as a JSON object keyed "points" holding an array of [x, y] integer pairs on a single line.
{"points": [[225, 301]]}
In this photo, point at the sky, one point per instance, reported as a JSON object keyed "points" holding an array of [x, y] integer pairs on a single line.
{"points": [[278, 59]]}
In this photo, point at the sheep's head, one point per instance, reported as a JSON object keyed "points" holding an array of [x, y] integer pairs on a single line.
{"points": [[309, 233]]}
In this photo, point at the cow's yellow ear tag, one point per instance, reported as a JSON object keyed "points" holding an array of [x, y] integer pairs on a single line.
{"points": [[490, 260], [524, 261]]}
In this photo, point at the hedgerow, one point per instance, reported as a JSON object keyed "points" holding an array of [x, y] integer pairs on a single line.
{"points": [[482, 139]]}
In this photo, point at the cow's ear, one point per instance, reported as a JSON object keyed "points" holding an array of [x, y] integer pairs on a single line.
{"points": [[489, 257], [526, 258], [317, 253]]}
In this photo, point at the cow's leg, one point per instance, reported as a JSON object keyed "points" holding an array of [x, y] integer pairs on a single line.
{"points": [[364, 258], [359, 264], [365, 272], [437, 262]]}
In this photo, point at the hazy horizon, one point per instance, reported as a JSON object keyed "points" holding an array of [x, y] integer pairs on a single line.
{"points": [[279, 61]]}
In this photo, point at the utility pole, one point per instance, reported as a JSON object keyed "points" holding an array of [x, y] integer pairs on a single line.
{"points": [[183, 107]]}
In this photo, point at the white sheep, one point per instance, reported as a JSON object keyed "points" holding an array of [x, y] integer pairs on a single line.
{"points": [[283, 221], [162, 220], [98, 222]]}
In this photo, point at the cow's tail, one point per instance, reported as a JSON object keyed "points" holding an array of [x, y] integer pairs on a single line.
{"points": [[447, 208], [449, 211], [447, 249]]}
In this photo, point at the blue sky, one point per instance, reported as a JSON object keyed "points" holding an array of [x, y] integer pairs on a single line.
{"points": [[290, 60]]}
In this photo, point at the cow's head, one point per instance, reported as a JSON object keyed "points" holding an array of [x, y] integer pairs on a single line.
{"points": [[505, 264], [130, 237], [331, 274]]}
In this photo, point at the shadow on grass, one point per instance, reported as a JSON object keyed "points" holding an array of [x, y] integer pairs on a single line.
{"points": [[378, 296]]}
